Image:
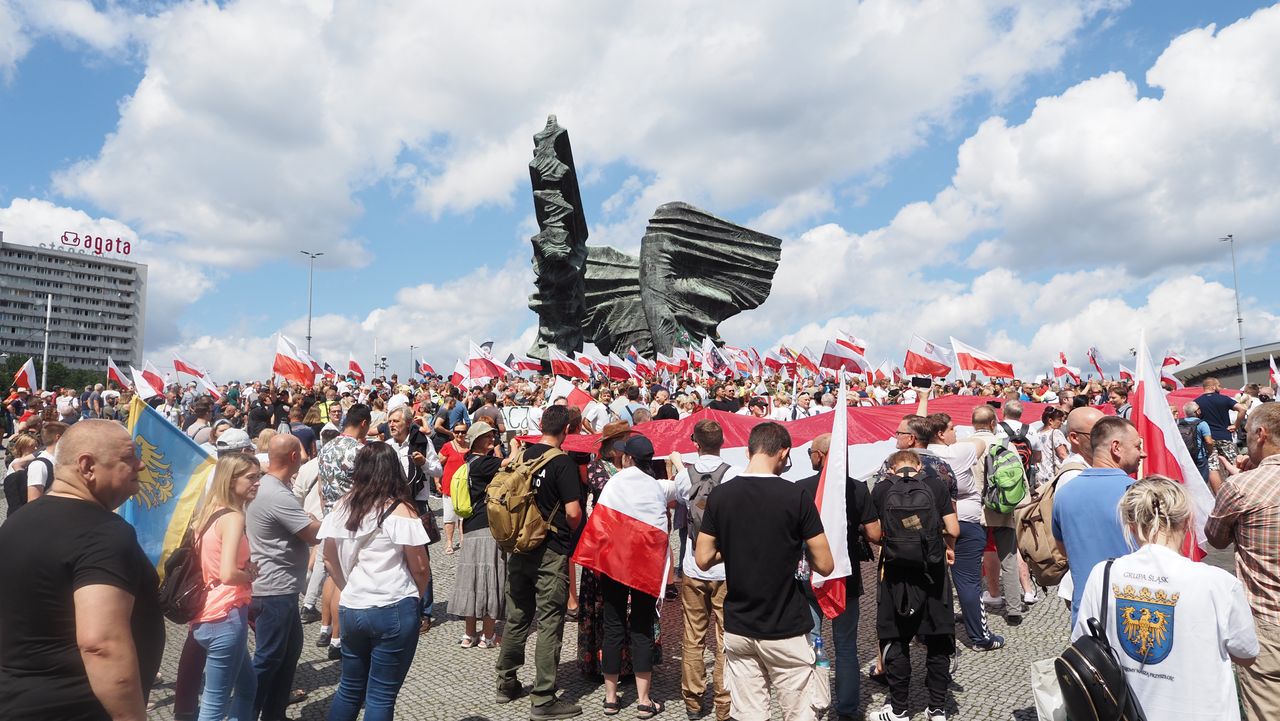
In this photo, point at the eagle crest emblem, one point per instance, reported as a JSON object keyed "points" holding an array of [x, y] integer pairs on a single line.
{"points": [[155, 479], [1144, 622]]}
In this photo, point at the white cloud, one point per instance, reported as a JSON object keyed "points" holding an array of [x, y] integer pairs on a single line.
{"points": [[14, 42], [106, 30], [260, 120]]}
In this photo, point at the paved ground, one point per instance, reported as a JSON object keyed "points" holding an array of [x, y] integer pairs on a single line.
{"points": [[447, 683]]}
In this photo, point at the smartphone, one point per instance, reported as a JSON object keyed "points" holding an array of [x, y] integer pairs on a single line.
{"points": [[921, 382]]}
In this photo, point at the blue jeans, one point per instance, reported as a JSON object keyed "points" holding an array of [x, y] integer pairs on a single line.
{"points": [[428, 601], [844, 636], [966, 573], [377, 648], [278, 630], [229, 682]]}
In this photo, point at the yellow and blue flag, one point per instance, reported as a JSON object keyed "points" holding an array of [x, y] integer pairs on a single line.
{"points": [[175, 471]]}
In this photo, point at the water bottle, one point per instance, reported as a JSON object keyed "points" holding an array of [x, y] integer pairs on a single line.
{"points": [[823, 661]]}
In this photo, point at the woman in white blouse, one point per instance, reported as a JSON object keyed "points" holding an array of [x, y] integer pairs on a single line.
{"points": [[375, 551]]}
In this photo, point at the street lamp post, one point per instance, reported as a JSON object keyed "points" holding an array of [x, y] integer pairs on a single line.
{"points": [[413, 362], [310, 280], [1244, 366]]}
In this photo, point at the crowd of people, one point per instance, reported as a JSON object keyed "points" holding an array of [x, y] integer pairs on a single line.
{"points": [[321, 510]]}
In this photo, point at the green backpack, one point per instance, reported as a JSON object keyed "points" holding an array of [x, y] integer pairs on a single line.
{"points": [[460, 491], [1006, 479]]}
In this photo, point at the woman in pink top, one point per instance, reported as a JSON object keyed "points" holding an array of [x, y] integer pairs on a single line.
{"points": [[222, 626]]}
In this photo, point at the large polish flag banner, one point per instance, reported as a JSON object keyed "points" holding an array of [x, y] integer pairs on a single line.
{"points": [[1167, 454], [837, 357], [26, 376], [925, 358], [115, 374], [625, 537], [290, 364], [971, 359], [830, 590]]}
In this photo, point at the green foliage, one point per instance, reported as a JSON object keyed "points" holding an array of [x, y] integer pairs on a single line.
{"points": [[59, 375]]}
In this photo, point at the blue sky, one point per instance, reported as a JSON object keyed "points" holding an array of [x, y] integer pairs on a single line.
{"points": [[65, 98]]}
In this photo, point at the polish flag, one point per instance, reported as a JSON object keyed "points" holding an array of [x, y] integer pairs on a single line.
{"points": [[695, 358], [481, 365], [1275, 375], [523, 363], [290, 363], [925, 358], [154, 379], [425, 368], [969, 358], [617, 369], [26, 376], [561, 365], [1171, 359], [805, 360], [830, 590], [142, 385], [1167, 454], [210, 387], [588, 361], [1096, 361], [625, 537], [838, 356], [1125, 373], [1062, 369], [182, 366], [852, 342], [681, 358], [773, 361], [115, 374], [316, 367], [354, 369], [664, 363], [459, 374], [1171, 379], [573, 395], [644, 366], [1062, 358]]}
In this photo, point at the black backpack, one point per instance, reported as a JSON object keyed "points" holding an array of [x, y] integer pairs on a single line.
{"points": [[182, 591], [15, 485], [701, 485], [910, 524], [1020, 444], [1191, 438], [1093, 683]]}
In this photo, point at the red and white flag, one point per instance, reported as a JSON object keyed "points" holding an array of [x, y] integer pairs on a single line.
{"points": [[26, 376], [425, 368], [354, 369], [838, 356], [182, 366], [830, 590], [115, 374], [316, 367], [805, 360], [481, 365], [1062, 369], [663, 363], [154, 377], [1171, 359], [625, 537], [1125, 373], [852, 342], [573, 395], [1096, 361], [143, 386], [971, 359], [1275, 375], [459, 374], [523, 363], [562, 365], [209, 386], [1167, 453], [925, 358], [618, 369], [290, 364], [586, 360]]}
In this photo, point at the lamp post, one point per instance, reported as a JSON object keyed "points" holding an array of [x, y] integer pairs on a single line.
{"points": [[310, 280], [1235, 276], [413, 362]]}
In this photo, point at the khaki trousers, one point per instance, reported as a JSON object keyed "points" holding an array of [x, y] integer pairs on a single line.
{"points": [[787, 665], [1260, 683], [702, 602]]}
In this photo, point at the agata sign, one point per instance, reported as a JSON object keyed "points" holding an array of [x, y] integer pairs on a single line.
{"points": [[93, 244]]}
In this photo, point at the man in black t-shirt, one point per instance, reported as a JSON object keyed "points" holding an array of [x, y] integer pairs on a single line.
{"points": [[860, 520], [538, 581], [724, 401], [81, 582], [758, 525]]}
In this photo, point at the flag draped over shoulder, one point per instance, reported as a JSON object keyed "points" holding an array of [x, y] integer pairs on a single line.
{"points": [[830, 590], [175, 470], [626, 534]]}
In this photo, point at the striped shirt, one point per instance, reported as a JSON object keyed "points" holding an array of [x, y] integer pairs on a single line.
{"points": [[1247, 511]]}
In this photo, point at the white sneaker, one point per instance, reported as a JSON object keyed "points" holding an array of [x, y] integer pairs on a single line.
{"points": [[1031, 598], [992, 601], [937, 714], [886, 714]]}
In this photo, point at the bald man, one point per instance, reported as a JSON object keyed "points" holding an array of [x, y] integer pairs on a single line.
{"points": [[861, 520], [83, 632], [1080, 424], [280, 534]]}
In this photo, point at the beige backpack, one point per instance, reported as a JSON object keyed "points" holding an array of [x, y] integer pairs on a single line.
{"points": [[514, 519], [1033, 522]]}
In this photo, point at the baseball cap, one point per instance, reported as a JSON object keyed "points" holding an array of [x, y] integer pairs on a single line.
{"points": [[758, 403], [638, 447], [221, 422], [477, 430], [232, 441]]}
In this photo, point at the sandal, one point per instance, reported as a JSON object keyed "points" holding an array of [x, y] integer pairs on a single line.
{"points": [[449, 550], [651, 710], [611, 708], [425, 625], [468, 641], [297, 696]]}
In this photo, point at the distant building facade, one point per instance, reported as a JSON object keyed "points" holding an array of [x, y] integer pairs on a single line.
{"points": [[99, 303], [1226, 367]]}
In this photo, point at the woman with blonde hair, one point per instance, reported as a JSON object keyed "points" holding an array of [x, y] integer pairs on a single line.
{"points": [[221, 627], [1176, 625]]}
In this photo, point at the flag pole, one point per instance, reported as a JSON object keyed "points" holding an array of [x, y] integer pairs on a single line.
{"points": [[44, 361]]}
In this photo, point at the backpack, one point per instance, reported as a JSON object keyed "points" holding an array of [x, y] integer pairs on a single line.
{"points": [[1006, 479], [460, 491], [1195, 444], [514, 519], [1093, 683], [701, 485], [910, 524], [15, 485], [1033, 524], [183, 589], [1019, 443]]}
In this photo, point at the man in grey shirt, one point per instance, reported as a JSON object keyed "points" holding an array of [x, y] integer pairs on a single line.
{"points": [[279, 533]]}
